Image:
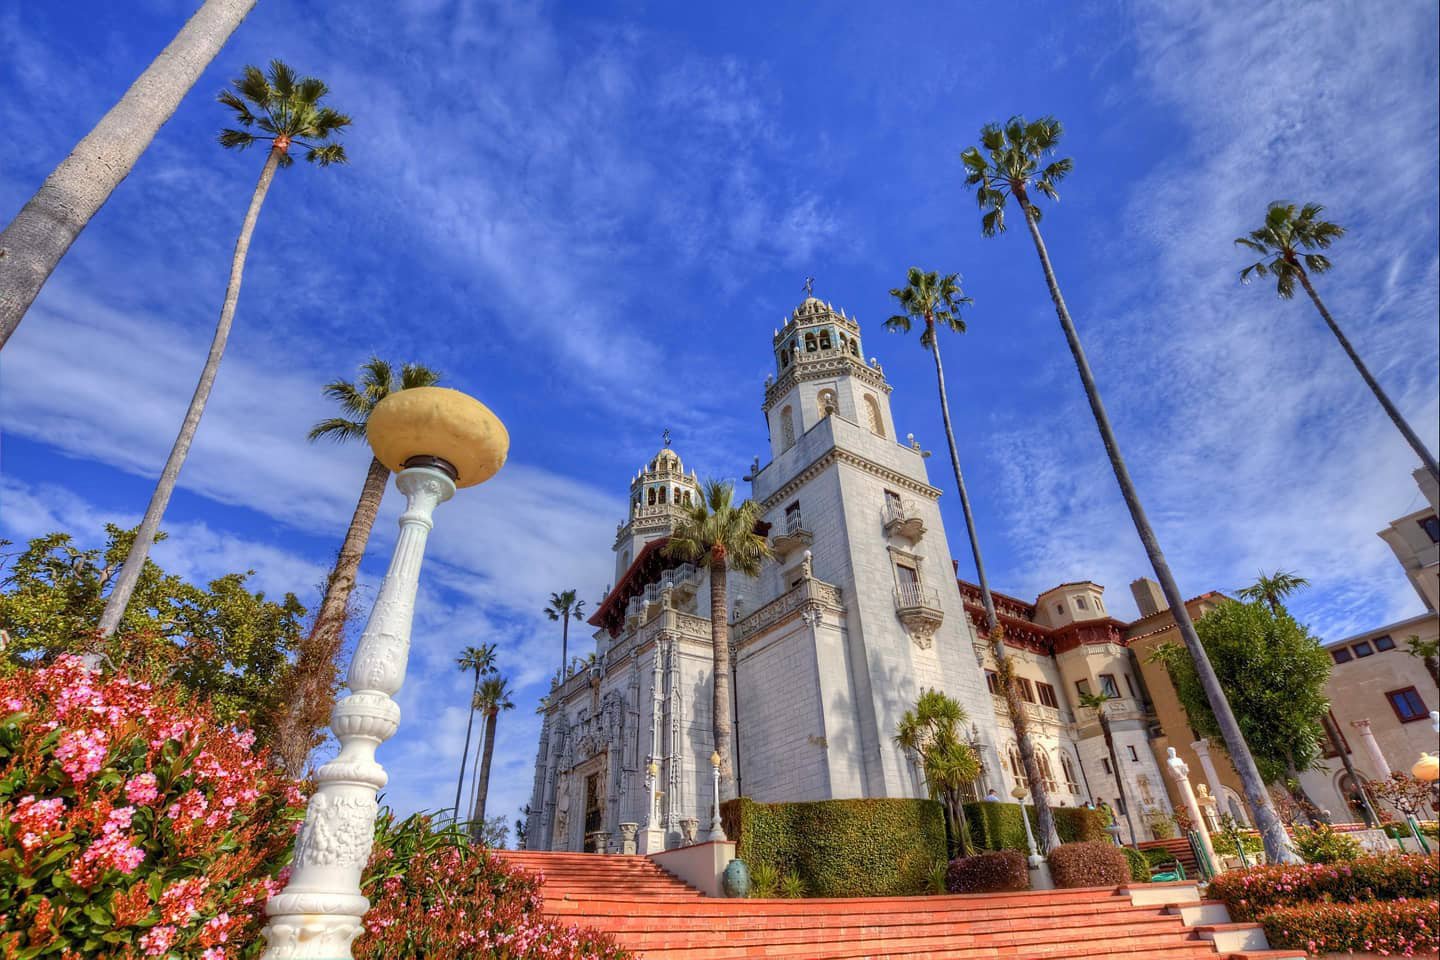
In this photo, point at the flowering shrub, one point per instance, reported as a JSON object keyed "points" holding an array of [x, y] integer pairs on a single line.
{"points": [[1403, 927], [1088, 865], [132, 824], [998, 872], [437, 897], [1250, 893], [1322, 844]]}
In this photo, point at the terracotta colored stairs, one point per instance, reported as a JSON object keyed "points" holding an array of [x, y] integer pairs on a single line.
{"points": [[658, 917]]}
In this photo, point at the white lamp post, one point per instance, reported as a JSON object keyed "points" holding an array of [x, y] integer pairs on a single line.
{"points": [[436, 440], [717, 831], [1035, 859]]}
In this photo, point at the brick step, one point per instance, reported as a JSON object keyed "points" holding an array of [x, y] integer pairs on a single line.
{"points": [[960, 920], [956, 934], [1167, 946], [619, 904]]}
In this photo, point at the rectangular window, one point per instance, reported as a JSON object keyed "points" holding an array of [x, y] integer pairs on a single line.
{"points": [[1130, 686], [1431, 526], [1080, 603], [1341, 655], [1384, 642], [1120, 805], [1362, 649], [1133, 755], [1105, 762], [1082, 687], [1108, 686], [992, 680], [1047, 695], [1407, 704], [792, 517], [1330, 753]]}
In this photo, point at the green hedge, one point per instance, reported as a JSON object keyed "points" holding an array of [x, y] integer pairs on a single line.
{"points": [[842, 848], [997, 826]]}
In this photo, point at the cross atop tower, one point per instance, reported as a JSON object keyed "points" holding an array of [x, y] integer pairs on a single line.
{"points": [[809, 286], [665, 436]]}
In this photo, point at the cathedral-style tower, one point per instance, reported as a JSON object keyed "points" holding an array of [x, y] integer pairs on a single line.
{"points": [[850, 508], [659, 494]]}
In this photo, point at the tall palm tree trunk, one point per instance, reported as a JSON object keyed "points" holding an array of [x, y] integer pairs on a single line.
{"points": [[33, 244], [1049, 835], [1396, 417], [722, 719], [564, 647], [465, 754], [475, 766], [1119, 780], [1272, 831], [310, 685], [165, 486], [477, 825]]}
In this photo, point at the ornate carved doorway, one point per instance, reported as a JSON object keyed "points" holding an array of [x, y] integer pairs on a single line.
{"points": [[594, 810]]}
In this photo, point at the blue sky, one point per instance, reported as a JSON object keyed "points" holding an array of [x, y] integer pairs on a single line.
{"points": [[591, 216]]}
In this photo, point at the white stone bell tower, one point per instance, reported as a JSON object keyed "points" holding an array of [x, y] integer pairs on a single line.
{"points": [[659, 494]]}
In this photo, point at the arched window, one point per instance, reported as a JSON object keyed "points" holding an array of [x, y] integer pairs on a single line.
{"points": [[1068, 768], [1042, 760], [784, 359], [1017, 769], [872, 410], [854, 348], [824, 339], [662, 494], [652, 496], [810, 343], [827, 403], [687, 498], [787, 429]]}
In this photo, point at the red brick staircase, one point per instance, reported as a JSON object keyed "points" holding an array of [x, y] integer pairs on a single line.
{"points": [[658, 917]]}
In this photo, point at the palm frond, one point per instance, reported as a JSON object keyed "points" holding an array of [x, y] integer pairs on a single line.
{"points": [[327, 154], [414, 375], [337, 429], [232, 139]]}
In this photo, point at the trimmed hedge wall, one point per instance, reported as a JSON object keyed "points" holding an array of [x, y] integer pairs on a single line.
{"points": [[997, 826], [842, 848]]}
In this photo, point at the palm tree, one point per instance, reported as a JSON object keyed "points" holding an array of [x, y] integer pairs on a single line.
{"points": [[719, 535], [33, 244], [1014, 162], [1284, 244], [563, 607], [1096, 702], [493, 697], [1273, 589], [481, 660], [287, 111], [936, 301], [310, 684], [931, 733]]}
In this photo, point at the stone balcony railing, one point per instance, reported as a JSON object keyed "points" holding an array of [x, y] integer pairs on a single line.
{"points": [[902, 519], [1036, 712], [787, 604]]}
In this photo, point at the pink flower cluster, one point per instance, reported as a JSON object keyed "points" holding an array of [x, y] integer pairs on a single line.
{"points": [[114, 850], [81, 753], [142, 790], [38, 819]]}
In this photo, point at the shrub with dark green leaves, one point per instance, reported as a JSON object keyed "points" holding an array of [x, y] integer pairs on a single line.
{"points": [[1322, 844], [997, 826], [1089, 865], [1003, 871], [1400, 928], [1139, 864], [842, 848], [1249, 893]]}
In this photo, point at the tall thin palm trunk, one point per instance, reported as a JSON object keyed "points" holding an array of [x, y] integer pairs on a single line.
{"points": [[721, 720], [309, 686], [477, 825], [1336, 741], [475, 767], [1396, 417], [1049, 835], [1272, 831], [165, 486], [564, 648], [465, 754], [33, 244], [1119, 780]]}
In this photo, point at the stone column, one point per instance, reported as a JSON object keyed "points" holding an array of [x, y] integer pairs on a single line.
{"points": [[1180, 772], [1207, 764], [1372, 749], [319, 912]]}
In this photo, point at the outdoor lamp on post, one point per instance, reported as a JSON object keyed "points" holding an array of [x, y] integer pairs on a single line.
{"points": [[435, 440], [717, 830], [1019, 794]]}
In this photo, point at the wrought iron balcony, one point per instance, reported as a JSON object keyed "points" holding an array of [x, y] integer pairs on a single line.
{"points": [[793, 537], [902, 519]]}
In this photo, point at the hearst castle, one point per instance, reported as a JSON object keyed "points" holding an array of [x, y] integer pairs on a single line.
{"points": [[858, 612]]}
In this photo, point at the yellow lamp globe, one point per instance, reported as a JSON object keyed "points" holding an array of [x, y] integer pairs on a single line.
{"points": [[1427, 768], [440, 423]]}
